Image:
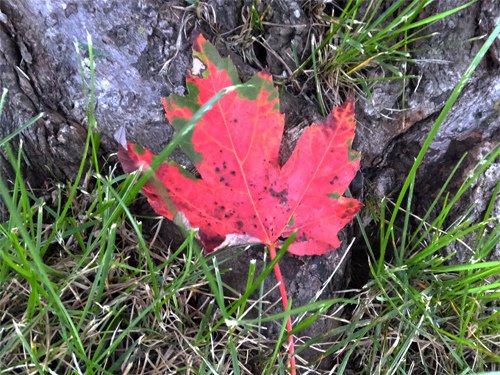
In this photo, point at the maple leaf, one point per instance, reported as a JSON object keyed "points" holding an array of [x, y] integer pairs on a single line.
{"points": [[243, 189]]}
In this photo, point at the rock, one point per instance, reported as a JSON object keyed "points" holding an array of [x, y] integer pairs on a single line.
{"points": [[390, 140], [141, 53]]}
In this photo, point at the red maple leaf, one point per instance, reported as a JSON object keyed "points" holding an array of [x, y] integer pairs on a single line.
{"points": [[243, 190]]}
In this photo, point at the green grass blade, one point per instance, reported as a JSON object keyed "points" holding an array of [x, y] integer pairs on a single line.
{"points": [[437, 124]]}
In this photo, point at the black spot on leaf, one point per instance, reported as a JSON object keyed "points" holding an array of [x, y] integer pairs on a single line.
{"points": [[301, 238], [281, 195]]}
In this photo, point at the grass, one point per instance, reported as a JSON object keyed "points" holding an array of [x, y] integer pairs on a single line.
{"points": [[84, 288], [353, 44], [372, 37]]}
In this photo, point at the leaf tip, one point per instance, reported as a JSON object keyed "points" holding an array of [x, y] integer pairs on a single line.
{"points": [[121, 137], [164, 101], [199, 41]]}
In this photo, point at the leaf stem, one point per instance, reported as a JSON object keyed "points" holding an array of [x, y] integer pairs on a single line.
{"points": [[284, 298]]}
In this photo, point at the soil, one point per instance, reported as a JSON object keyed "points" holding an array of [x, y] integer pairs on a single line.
{"points": [[142, 52]]}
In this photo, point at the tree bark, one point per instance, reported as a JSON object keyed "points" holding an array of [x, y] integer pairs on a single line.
{"points": [[142, 52]]}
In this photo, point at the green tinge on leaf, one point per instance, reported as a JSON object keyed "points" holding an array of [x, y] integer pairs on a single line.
{"points": [[335, 196], [190, 102], [210, 53], [352, 155], [186, 144], [139, 149], [183, 171], [255, 86]]}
